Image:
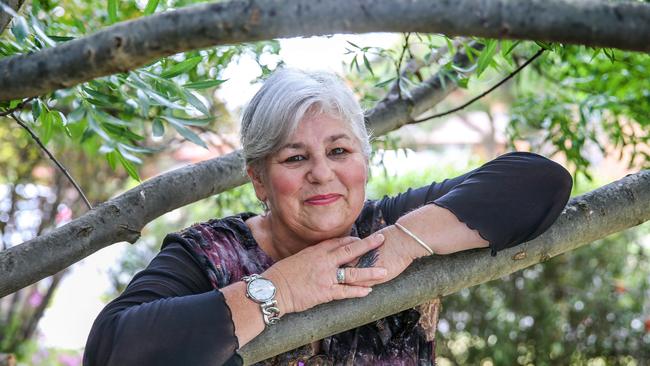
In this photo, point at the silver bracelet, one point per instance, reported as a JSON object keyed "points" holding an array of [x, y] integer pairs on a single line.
{"points": [[407, 232]]}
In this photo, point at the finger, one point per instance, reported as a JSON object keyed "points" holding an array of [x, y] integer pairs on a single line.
{"points": [[349, 251], [355, 276], [332, 244], [346, 291]]}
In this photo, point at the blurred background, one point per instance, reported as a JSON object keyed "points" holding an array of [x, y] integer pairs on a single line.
{"points": [[585, 108]]}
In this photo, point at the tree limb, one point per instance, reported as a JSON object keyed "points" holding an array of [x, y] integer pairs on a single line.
{"points": [[131, 44], [606, 210], [122, 218]]}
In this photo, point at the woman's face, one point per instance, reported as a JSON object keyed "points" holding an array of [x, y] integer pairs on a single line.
{"points": [[315, 184]]}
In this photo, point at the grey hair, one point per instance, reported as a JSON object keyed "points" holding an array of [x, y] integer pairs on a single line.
{"points": [[284, 100]]}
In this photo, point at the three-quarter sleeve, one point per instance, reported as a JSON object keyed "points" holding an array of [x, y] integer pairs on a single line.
{"points": [[509, 200], [168, 315]]}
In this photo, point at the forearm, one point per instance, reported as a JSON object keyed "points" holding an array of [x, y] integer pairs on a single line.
{"points": [[437, 227], [247, 314]]}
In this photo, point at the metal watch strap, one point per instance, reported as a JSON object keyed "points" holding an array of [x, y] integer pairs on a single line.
{"points": [[270, 310]]}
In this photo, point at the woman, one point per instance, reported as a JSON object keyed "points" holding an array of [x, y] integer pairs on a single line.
{"points": [[216, 285]]}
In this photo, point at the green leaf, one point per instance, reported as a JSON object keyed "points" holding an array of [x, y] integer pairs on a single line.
{"points": [[127, 155], [506, 51], [20, 29], [187, 133], [36, 109], [382, 84], [354, 45], [158, 128], [47, 127], [367, 64], [111, 157], [195, 102], [129, 167], [201, 122], [151, 7], [61, 38], [204, 84], [112, 11], [450, 46], [485, 58], [181, 67], [462, 82]]}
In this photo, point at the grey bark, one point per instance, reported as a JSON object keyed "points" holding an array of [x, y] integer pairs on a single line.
{"points": [[128, 45], [122, 218], [612, 208], [5, 18]]}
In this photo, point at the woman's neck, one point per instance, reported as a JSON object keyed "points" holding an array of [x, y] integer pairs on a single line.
{"points": [[274, 238]]}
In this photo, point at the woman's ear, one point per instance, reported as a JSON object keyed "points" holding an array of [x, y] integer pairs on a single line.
{"points": [[258, 184]]}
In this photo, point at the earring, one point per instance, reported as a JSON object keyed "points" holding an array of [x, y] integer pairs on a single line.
{"points": [[265, 207]]}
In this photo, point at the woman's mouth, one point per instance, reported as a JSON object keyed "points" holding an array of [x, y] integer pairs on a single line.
{"points": [[323, 199]]}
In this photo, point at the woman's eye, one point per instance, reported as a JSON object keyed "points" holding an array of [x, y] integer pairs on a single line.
{"points": [[295, 158], [337, 151]]}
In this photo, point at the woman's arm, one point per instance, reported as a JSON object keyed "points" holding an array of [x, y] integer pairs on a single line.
{"points": [[507, 201], [170, 315]]}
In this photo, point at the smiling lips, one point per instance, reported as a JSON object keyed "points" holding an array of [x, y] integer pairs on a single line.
{"points": [[324, 199]]}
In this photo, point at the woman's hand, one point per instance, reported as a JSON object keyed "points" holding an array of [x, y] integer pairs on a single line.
{"points": [[308, 278], [397, 253]]}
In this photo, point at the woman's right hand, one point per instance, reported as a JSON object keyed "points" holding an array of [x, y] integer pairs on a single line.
{"points": [[308, 278]]}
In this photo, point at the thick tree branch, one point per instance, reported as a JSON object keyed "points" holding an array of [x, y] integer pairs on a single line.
{"points": [[128, 45], [122, 218], [5, 18], [609, 209]]}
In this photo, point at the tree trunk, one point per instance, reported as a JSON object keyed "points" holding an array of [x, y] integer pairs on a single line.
{"points": [[128, 45], [609, 209]]}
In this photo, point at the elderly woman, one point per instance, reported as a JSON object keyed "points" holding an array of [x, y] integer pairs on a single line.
{"points": [[216, 285]]}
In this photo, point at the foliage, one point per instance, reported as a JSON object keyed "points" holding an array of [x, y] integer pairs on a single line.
{"points": [[124, 116], [578, 99]]}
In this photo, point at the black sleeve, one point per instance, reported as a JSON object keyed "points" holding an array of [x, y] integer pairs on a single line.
{"points": [[168, 315], [509, 200]]}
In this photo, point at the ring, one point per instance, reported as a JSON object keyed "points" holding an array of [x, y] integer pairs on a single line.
{"points": [[340, 275]]}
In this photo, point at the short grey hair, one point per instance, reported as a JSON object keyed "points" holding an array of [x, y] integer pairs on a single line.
{"points": [[284, 100]]}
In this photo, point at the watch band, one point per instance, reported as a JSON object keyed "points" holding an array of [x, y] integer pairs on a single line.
{"points": [[270, 310]]}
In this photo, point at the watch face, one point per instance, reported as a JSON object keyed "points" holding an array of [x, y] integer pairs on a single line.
{"points": [[261, 289]]}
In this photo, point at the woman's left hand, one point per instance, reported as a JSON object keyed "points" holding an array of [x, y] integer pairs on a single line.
{"points": [[397, 253]]}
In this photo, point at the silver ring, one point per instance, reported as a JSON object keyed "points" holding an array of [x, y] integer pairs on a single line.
{"points": [[340, 275]]}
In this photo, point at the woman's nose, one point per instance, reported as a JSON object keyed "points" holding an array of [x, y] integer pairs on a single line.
{"points": [[320, 171]]}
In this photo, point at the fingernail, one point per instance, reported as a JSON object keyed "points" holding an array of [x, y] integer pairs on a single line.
{"points": [[383, 272], [369, 289], [380, 237]]}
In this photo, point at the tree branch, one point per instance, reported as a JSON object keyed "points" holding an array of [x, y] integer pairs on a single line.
{"points": [[609, 209], [131, 44], [49, 154], [488, 91]]}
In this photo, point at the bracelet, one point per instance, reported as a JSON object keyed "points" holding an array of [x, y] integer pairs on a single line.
{"points": [[407, 232]]}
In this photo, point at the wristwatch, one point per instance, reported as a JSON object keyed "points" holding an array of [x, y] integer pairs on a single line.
{"points": [[262, 291]]}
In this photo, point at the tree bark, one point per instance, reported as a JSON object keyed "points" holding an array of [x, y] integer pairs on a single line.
{"points": [[131, 44], [5, 18], [612, 208], [122, 218]]}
